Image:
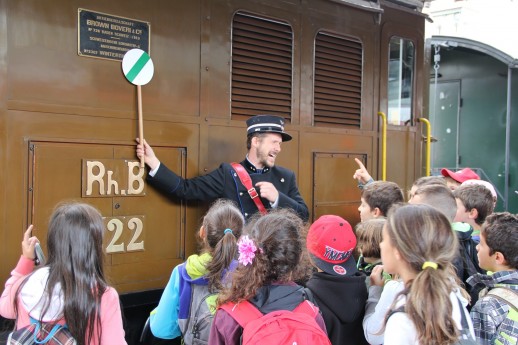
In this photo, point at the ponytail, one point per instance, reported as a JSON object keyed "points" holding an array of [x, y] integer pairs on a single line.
{"points": [[429, 294], [222, 256], [223, 224]]}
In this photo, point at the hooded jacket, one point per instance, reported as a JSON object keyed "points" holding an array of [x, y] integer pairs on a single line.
{"points": [[32, 296], [466, 260], [176, 298], [175, 302], [226, 330], [342, 302]]}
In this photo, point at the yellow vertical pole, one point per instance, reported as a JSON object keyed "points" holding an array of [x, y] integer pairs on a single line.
{"points": [[383, 145], [428, 144]]}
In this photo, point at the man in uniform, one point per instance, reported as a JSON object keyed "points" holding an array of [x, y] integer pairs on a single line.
{"points": [[276, 186]]}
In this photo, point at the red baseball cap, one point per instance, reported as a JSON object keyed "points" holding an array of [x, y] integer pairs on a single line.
{"points": [[461, 175], [331, 242]]}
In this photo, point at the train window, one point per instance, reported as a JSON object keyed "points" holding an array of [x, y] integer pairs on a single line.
{"points": [[338, 81], [400, 80], [262, 67]]}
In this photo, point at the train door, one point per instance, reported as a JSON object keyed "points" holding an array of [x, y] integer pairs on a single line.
{"points": [[444, 117]]}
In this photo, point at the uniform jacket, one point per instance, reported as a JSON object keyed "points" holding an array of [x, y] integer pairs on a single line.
{"points": [[224, 183], [226, 331], [341, 300]]}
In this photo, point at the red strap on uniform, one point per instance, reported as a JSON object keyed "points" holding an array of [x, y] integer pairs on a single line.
{"points": [[247, 182]]}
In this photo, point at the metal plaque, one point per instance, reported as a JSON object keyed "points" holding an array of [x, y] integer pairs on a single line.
{"points": [[107, 36]]}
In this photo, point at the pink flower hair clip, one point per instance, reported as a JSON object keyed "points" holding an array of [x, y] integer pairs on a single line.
{"points": [[246, 248]]}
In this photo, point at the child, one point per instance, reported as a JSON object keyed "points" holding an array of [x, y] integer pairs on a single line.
{"points": [[418, 244], [485, 184], [330, 243], [441, 197], [425, 181], [382, 288], [377, 197], [438, 196], [474, 204], [369, 238], [498, 253], [70, 288], [454, 179], [270, 257], [221, 226]]}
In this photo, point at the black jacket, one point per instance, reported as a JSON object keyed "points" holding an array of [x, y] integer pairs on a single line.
{"points": [[224, 183], [341, 300], [466, 261]]}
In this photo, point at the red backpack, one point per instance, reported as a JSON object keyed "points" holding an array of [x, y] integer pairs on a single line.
{"points": [[297, 327]]}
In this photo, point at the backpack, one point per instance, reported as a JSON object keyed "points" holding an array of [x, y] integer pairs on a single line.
{"points": [[196, 328], [509, 327], [41, 333], [465, 337], [297, 327]]}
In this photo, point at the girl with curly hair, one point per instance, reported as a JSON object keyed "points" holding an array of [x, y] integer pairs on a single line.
{"points": [[270, 259]]}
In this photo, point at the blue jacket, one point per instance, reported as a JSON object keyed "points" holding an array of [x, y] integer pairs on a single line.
{"points": [[176, 298], [175, 302]]}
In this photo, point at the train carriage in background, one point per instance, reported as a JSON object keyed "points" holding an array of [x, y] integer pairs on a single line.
{"points": [[68, 115], [473, 107]]}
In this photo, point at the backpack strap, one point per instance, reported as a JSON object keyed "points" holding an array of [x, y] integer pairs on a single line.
{"points": [[464, 333], [505, 294], [308, 296], [400, 309], [243, 312], [247, 182], [306, 307], [49, 336]]}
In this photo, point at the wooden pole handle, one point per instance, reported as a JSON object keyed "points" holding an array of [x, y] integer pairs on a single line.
{"points": [[140, 122]]}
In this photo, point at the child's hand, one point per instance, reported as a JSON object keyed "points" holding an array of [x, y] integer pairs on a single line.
{"points": [[28, 243], [361, 174], [377, 276]]}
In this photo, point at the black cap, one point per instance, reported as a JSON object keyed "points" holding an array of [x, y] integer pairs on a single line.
{"points": [[267, 124]]}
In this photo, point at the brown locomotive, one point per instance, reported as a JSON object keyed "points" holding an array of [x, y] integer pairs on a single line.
{"points": [[68, 115]]}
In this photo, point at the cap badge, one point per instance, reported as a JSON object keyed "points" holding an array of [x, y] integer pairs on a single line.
{"points": [[339, 270]]}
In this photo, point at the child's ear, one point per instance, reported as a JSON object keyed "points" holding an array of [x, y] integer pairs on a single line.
{"points": [[473, 213], [377, 212], [396, 253], [500, 259], [203, 232]]}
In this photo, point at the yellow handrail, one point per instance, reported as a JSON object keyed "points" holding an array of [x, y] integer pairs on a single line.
{"points": [[383, 146], [428, 143]]}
